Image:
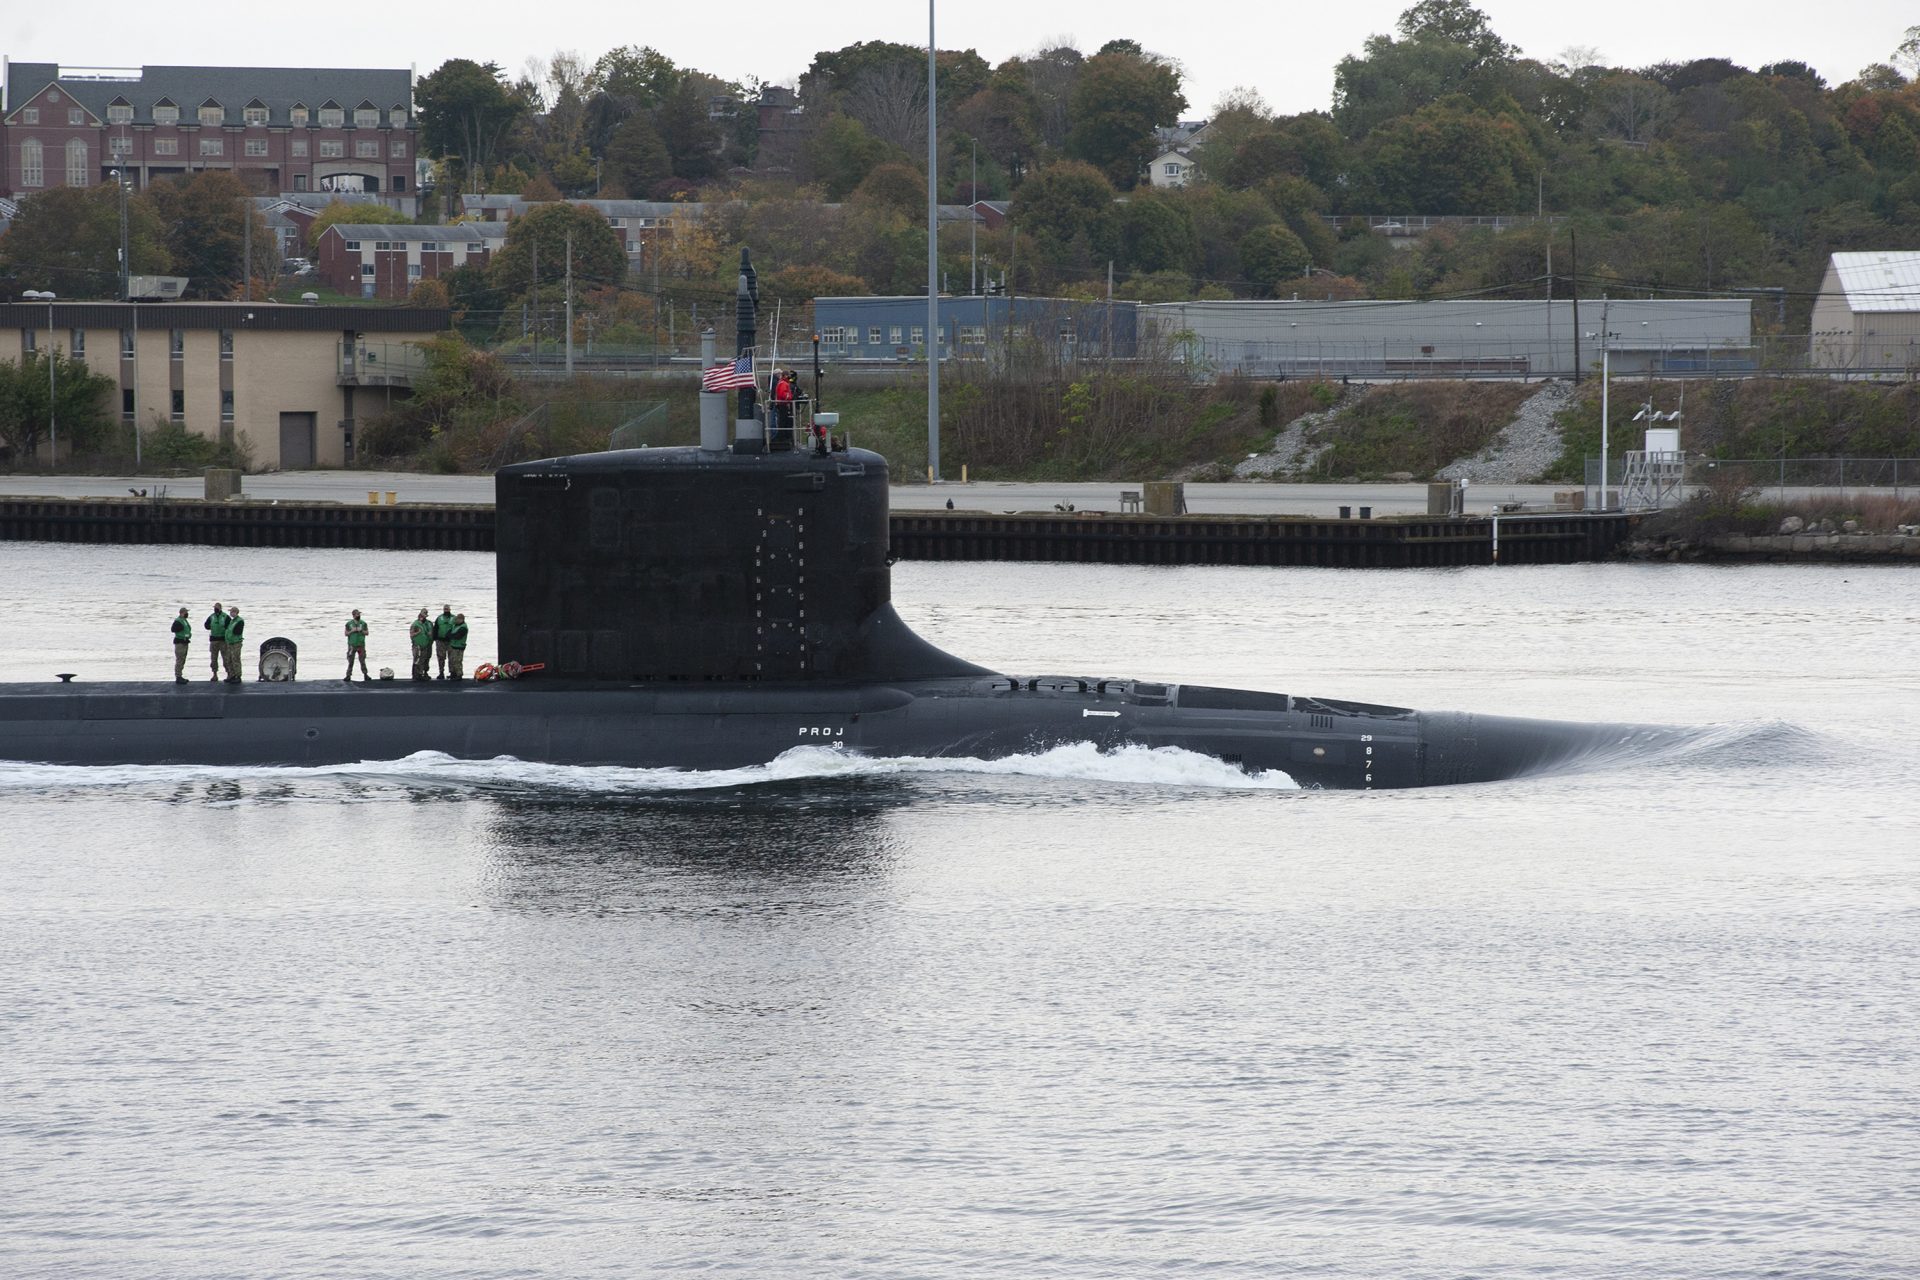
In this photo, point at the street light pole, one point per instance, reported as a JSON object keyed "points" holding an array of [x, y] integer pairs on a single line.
{"points": [[126, 289], [933, 262]]}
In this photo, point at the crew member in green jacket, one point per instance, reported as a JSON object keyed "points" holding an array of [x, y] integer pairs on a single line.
{"points": [[236, 628], [216, 625], [357, 646], [420, 631], [457, 644], [442, 634], [182, 639]]}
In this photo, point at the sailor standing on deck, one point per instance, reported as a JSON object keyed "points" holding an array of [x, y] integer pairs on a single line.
{"points": [[216, 625], [457, 644], [357, 646], [182, 638], [420, 632], [442, 632], [236, 627]]}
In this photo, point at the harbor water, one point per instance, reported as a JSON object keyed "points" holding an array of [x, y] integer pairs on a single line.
{"points": [[1067, 1015]]}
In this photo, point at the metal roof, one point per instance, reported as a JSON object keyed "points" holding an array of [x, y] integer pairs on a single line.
{"points": [[276, 88], [1888, 281], [275, 316], [458, 233]]}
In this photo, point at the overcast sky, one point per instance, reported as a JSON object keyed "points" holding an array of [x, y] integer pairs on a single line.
{"points": [[1286, 52]]}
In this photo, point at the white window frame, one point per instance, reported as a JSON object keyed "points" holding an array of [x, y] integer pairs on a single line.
{"points": [[333, 149], [253, 115], [333, 117], [398, 150], [33, 163], [873, 335], [166, 113], [299, 146], [29, 115], [75, 116], [211, 115], [895, 336], [256, 146], [166, 146], [120, 113], [212, 146], [79, 173], [298, 116], [367, 149]]}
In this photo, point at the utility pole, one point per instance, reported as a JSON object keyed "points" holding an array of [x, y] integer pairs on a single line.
{"points": [[1549, 298], [569, 303], [1606, 352], [246, 252], [1573, 239]]}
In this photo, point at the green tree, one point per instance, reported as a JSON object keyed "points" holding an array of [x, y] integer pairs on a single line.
{"points": [[899, 189], [599, 257], [67, 239], [1447, 159], [636, 159], [1272, 254], [1060, 202], [1119, 101], [466, 110], [841, 153], [1148, 234], [692, 139], [354, 213], [78, 399], [1446, 47]]}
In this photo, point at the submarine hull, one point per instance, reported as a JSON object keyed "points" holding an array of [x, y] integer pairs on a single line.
{"points": [[1320, 743]]}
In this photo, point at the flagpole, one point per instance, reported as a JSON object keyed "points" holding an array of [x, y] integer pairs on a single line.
{"points": [[933, 264]]}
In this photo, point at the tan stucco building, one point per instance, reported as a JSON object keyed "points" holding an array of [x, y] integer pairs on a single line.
{"points": [[288, 382]]}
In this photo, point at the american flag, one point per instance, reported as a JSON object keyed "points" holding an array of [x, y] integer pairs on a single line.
{"points": [[726, 377]]}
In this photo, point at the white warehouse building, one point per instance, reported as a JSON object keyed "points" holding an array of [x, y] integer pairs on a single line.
{"points": [[1868, 313], [1466, 338]]}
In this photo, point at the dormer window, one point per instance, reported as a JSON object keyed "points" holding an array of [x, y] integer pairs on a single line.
{"points": [[332, 115], [397, 117], [298, 116], [366, 115], [212, 112], [120, 111], [255, 112], [165, 112]]}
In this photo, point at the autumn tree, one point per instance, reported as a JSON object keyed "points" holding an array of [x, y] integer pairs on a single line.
{"points": [[206, 219]]}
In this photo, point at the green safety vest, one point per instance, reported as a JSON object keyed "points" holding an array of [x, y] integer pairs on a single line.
{"points": [[356, 633], [216, 625], [421, 633], [443, 626], [182, 631], [457, 637], [235, 628]]}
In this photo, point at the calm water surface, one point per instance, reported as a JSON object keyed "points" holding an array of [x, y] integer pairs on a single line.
{"points": [[1066, 1016]]}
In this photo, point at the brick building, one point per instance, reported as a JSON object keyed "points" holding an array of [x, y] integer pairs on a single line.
{"points": [[288, 382], [278, 128], [374, 261]]}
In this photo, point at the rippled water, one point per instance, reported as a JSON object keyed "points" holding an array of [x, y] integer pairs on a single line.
{"points": [[1074, 1015]]}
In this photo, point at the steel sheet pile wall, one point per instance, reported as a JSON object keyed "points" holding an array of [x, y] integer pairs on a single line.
{"points": [[1092, 538]]}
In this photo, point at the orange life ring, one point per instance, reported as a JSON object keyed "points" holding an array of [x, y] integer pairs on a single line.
{"points": [[485, 671]]}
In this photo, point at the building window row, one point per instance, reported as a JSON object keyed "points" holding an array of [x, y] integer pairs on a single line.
{"points": [[256, 113]]}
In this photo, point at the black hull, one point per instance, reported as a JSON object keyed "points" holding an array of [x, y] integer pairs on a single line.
{"points": [[1319, 743]]}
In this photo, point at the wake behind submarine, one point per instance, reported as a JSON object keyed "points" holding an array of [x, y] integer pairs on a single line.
{"points": [[712, 607]]}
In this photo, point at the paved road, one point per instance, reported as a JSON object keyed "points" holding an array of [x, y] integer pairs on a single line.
{"points": [[1202, 499]]}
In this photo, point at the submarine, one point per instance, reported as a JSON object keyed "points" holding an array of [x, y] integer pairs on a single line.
{"points": [[715, 606]]}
